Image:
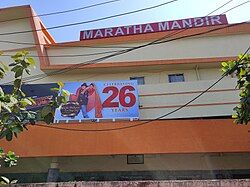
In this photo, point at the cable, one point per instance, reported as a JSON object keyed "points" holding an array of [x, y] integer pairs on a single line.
{"points": [[64, 70], [91, 21], [71, 55], [221, 13], [37, 77], [67, 69], [237, 6], [60, 45], [121, 46], [149, 121], [61, 12], [26, 43], [221, 6]]}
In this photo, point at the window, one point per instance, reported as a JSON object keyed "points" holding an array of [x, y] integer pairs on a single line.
{"points": [[176, 78], [140, 80]]}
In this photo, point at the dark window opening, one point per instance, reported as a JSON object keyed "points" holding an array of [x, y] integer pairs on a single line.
{"points": [[140, 80], [176, 78]]}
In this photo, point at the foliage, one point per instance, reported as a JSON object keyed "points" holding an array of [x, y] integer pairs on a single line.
{"points": [[241, 68], [14, 116], [5, 181], [9, 159]]}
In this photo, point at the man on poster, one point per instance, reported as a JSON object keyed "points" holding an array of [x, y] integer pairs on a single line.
{"points": [[82, 99]]}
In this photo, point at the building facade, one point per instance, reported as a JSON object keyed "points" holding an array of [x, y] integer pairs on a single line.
{"points": [[200, 141]]}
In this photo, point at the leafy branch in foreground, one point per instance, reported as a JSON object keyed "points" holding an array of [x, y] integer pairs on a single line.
{"points": [[8, 159], [14, 116], [241, 68]]}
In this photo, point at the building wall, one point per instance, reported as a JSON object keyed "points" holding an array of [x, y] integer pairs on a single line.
{"points": [[125, 137], [200, 47], [179, 144], [16, 26], [154, 162], [34, 70]]}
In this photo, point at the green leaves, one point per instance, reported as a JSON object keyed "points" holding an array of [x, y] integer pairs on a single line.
{"points": [[17, 83], [6, 181], [61, 84], [242, 69], [18, 70], [9, 158], [21, 63], [14, 115], [31, 61]]}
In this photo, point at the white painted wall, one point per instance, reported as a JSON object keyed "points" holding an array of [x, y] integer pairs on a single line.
{"points": [[200, 47], [34, 71], [16, 26]]}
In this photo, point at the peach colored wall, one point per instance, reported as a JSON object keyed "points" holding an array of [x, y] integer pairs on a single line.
{"points": [[172, 136]]}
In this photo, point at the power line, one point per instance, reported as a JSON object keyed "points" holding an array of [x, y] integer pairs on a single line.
{"points": [[14, 42], [221, 6], [61, 12], [221, 13], [149, 121], [67, 69], [61, 45], [58, 45], [41, 76], [71, 55], [158, 41], [91, 21], [237, 6]]}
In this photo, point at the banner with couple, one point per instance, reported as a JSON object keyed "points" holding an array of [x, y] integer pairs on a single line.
{"points": [[100, 100]]}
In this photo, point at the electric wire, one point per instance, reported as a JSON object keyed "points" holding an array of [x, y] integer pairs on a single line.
{"points": [[72, 67], [77, 55], [126, 127], [41, 76], [148, 121], [69, 55], [58, 45], [61, 12], [91, 21]]}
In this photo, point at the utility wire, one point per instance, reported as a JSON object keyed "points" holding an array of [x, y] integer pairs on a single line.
{"points": [[221, 6], [61, 45], [91, 21], [237, 6], [70, 68], [41, 76], [61, 12], [123, 46], [149, 121], [71, 55], [58, 45]]}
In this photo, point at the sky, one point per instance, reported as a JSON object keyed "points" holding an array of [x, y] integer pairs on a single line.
{"points": [[178, 10]]}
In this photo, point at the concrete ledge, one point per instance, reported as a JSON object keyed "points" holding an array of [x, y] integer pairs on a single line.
{"points": [[170, 183]]}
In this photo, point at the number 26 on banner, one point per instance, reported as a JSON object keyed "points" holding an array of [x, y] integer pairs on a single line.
{"points": [[124, 93]]}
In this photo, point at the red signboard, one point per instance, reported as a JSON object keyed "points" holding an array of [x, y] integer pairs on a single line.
{"points": [[154, 27]]}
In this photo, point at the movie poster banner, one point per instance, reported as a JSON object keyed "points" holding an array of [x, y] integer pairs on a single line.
{"points": [[40, 93], [99, 100]]}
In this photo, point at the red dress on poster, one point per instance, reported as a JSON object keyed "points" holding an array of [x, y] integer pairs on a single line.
{"points": [[94, 101]]}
